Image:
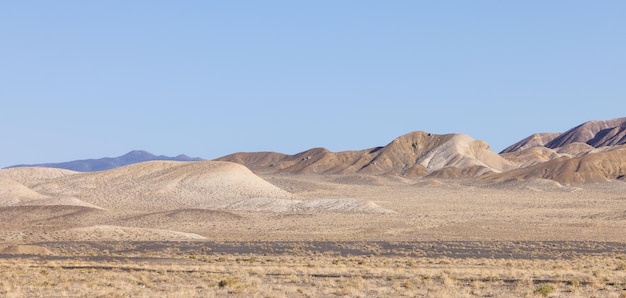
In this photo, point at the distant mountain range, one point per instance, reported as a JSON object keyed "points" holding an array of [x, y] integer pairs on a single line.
{"points": [[594, 151], [107, 163]]}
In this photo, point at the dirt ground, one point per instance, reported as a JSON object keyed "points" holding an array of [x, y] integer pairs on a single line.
{"points": [[441, 238]]}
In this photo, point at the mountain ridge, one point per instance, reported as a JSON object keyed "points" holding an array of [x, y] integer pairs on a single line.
{"points": [[582, 154], [108, 163], [414, 154]]}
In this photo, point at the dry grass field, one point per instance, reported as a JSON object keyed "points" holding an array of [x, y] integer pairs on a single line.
{"points": [[298, 272], [222, 230]]}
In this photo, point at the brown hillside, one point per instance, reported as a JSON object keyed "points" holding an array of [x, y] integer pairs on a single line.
{"points": [[575, 149], [531, 156], [610, 136], [595, 133], [413, 154], [598, 166], [535, 140]]}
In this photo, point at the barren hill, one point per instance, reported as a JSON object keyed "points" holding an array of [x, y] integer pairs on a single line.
{"points": [[414, 154], [535, 140], [595, 134], [600, 165], [554, 154]]}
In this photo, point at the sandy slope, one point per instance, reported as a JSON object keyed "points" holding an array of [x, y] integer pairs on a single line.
{"points": [[424, 209], [156, 186], [159, 186]]}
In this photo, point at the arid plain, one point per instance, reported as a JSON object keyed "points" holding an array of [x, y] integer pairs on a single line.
{"points": [[426, 215]]}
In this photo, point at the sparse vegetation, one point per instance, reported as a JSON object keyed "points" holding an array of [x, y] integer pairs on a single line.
{"points": [[228, 282], [545, 289], [323, 275]]}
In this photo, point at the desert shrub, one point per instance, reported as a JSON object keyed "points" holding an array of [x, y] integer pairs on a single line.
{"points": [[544, 290], [575, 282], [228, 282]]}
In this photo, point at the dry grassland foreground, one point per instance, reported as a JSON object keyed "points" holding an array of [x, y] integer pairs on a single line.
{"points": [[313, 269]]}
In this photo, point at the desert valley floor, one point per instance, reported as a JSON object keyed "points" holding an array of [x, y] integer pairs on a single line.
{"points": [[215, 228]]}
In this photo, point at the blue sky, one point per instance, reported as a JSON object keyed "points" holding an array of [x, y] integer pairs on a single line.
{"points": [[86, 79]]}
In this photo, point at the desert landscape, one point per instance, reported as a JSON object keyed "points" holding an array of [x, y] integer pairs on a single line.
{"points": [[424, 215]]}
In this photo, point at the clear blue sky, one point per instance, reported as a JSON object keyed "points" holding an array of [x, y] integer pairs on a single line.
{"points": [[86, 79]]}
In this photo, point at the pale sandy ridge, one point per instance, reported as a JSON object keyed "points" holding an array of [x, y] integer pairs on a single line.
{"points": [[165, 185]]}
